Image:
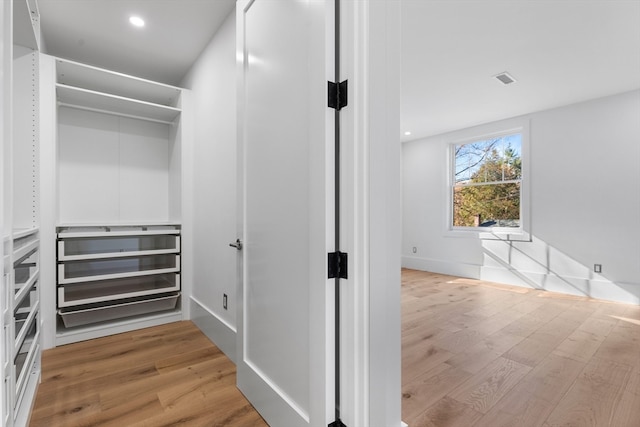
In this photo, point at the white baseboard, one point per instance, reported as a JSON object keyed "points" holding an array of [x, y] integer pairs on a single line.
{"points": [[595, 287], [216, 329], [443, 267]]}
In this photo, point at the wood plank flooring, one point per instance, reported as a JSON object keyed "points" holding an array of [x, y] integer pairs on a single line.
{"points": [[169, 375], [474, 354], [478, 354]]}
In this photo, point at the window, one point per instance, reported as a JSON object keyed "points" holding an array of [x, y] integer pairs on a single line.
{"points": [[486, 184]]}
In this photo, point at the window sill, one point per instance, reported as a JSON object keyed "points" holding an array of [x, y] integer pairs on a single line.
{"points": [[517, 235]]}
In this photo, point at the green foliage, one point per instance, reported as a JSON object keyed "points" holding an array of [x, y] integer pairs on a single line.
{"points": [[486, 199]]}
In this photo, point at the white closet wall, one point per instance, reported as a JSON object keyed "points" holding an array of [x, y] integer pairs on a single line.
{"points": [[111, 169], [213, 169]]}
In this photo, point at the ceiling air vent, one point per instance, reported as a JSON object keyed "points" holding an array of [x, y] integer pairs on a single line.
{"points": [[505, 78]]}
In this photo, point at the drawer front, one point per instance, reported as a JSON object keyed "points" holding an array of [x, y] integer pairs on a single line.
{"points": [[87, 248], [80, 317], [115, 289], [106, 269]]}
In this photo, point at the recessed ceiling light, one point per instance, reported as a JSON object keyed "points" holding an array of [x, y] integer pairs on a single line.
{"points": [[136, 21], [407, 133], [505, 78]]}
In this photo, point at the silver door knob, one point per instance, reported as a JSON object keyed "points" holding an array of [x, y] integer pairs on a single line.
{"points": [[237, 244]]}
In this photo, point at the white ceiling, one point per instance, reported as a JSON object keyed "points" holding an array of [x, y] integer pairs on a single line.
{"points": [[560, 51], [98, 32]]}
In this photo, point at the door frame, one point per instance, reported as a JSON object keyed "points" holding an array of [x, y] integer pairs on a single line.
{"points": [[371, 217]]}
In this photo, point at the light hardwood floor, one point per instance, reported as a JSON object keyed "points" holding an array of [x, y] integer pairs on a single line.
{"points": [[169, 375], [474, 354], [477, 354]]}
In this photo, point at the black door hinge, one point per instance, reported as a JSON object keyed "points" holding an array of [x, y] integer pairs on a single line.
{"points": [[338, 265], [337, 423], [337, 95]]}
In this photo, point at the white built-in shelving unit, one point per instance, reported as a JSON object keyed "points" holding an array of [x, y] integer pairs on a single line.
{"points": [[116, 273], [20, 298], [115, 234], [26, 314], [94, 89]]}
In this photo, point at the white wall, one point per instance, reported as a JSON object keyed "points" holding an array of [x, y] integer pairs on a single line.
{"points": [[585, 206], [212, 79], [111, 153]]}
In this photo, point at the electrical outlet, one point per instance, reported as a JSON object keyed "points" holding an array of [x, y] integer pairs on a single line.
{"points": [[415, 250], [224, 301], [597, 268]]}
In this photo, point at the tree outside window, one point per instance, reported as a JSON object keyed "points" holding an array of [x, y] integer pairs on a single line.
{"points": [[487, 182]]}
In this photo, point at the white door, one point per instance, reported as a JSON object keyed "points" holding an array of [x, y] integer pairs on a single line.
{"points": [[285, 359]]}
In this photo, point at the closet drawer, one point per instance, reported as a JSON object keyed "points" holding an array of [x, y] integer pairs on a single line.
{"points": [[21, 354], [25, 322], [26, 265], [25, 359], [88, 248], [106, 269], [26, 273], [24, 310], [108, 290], [106, 312]]}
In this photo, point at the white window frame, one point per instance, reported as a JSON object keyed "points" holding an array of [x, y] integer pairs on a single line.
{"points": [[479, 133]]}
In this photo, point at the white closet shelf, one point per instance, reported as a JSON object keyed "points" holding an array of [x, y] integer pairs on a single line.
{"points": [[164, 225], [115, 326], [67, 281], [25, 250], [85, 99], [118, 233], [24, 310], [24, 232], [84, 76], [25, 288]]}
